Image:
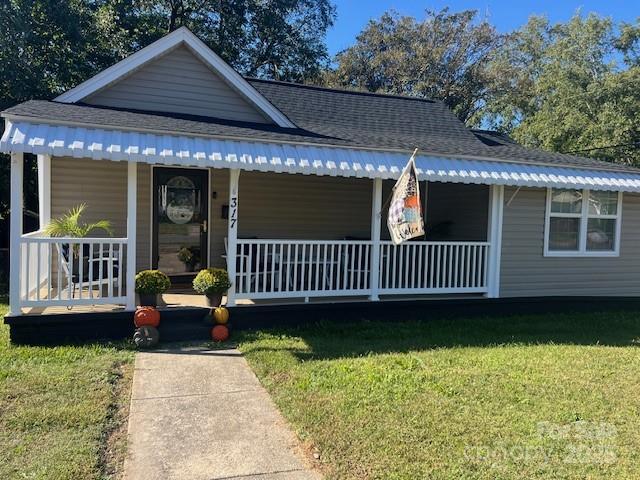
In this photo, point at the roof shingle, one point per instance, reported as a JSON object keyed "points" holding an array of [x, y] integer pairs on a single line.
{"points": [[326, 117]]}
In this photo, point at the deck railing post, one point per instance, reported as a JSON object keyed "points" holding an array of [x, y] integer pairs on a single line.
{"points": [[376, 214], [132, 194], [16, 205], [494, 233], [44, 213], [232, 234], [44, 189]]}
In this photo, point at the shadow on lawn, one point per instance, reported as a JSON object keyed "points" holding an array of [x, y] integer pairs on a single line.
{"points": [[333, 339]]}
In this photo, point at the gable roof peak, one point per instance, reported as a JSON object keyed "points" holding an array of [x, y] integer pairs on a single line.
{"points": [[180, 36]]}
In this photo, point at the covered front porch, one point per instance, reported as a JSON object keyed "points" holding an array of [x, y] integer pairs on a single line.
{"points": [[304, 237], [295, 238]]}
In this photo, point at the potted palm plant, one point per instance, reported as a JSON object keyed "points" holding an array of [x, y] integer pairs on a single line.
{"points": [[212, 283], [150, 284], [69, 225]]}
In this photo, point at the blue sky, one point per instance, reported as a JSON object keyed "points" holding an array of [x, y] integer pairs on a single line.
{"points": [[506, 15]]}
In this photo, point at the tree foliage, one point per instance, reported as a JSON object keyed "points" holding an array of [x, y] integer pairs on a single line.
{"points": [[570, 87], [444, 56], [282, 39], [49, 46]]}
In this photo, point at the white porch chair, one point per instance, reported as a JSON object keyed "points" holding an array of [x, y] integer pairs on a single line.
{"points": [[74, 276], [254, 273]]}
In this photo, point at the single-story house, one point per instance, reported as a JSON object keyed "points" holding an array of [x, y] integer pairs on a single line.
{"points": [[286, 186]]}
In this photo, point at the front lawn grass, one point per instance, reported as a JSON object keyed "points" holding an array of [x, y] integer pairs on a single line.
{"points": [[59, 407], [545, 396]]}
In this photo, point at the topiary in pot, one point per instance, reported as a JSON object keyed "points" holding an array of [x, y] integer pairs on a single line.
{"points": [[212, 283], [150, 284]]}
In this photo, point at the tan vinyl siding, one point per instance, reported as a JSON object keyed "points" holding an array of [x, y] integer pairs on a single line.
{"points": [[279, 205], [102, 185], [178, 82], [526, 272]]}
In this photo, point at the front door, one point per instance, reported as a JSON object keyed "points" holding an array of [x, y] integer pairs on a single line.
{"points": [[180, 216]]}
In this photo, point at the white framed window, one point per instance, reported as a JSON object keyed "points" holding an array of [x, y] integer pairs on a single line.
{"points": [[582, 223]]}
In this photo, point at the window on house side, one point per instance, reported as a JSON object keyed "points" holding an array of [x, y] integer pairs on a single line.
{"points": [[582, 222]]}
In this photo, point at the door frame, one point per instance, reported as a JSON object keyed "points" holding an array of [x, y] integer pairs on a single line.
{"points": [[153, 244]]}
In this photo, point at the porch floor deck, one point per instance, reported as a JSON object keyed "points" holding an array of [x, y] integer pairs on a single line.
{"points": [[181, 298]]}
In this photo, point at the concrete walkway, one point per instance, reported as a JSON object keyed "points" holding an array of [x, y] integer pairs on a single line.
{"points": [[203, 415]]}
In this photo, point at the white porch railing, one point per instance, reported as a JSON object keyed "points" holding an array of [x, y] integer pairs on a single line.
{"points": [[319, 268], [302, 268], [433, 267], [71, 271]]}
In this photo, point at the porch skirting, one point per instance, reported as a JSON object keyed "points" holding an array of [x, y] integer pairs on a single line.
{"points": [[182, 324]]}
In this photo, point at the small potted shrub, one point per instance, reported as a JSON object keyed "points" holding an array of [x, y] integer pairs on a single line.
{"points": [[212, 283], [150, 284]]}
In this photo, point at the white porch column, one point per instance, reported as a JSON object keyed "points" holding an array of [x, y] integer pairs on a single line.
{"points": [[494, 234], [376, 207], [132, 195], [44, 189], [16, 207], [232, 234]]}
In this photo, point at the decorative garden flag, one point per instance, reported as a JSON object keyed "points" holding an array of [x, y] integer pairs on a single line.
{"points": [[405, 214]]}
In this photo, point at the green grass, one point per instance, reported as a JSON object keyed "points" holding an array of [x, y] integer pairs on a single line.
{"points": [[549, 396], [58, 407]]}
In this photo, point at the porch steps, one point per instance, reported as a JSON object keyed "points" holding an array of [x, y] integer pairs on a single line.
{"points": [[184, 324]]}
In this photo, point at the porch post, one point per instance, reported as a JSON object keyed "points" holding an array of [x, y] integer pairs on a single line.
{"points": [[232, 234], [132, 194], [376, 207], [16, 206], [494, 233], [44, 190]]}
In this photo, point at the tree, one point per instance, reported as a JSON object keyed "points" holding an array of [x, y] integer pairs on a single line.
{"points": [[47, 46], [282, 39], [445, 57], [572, 87]]}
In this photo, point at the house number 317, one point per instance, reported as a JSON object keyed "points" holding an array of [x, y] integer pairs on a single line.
{"points": [[233, 214]]}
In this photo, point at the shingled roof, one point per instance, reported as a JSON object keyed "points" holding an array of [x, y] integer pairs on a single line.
{"points": [[326, 117]]}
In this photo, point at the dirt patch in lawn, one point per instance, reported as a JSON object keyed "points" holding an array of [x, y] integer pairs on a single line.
{"points": [[113, 445]]}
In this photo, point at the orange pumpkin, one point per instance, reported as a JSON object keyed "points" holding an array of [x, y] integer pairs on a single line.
{"points": [[221, 315], [219, 333], [146, 317]]}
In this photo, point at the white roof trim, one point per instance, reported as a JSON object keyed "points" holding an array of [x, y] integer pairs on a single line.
{"points": [[164, 149], [142, 129], [180, 36]]}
